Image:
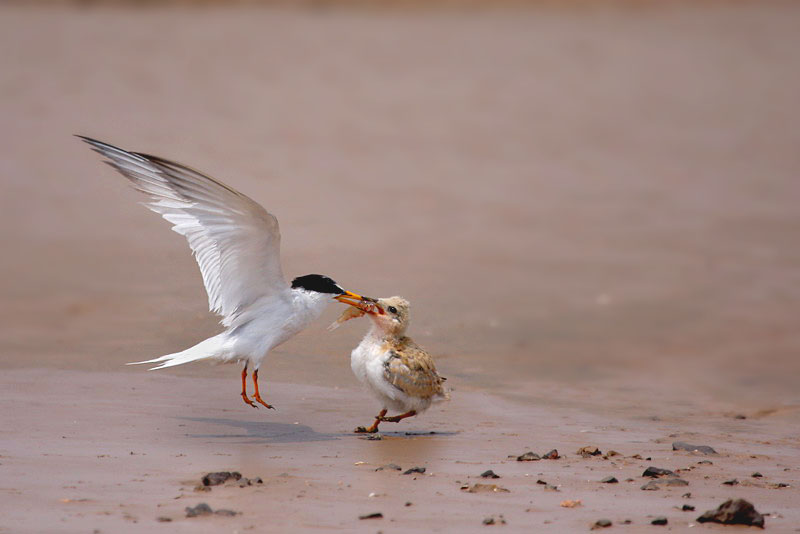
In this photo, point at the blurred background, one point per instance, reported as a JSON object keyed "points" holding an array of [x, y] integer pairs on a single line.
{"points": [[582, 200]]}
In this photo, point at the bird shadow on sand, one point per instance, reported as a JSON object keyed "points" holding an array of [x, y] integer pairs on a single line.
{"points": [[260, 432]]}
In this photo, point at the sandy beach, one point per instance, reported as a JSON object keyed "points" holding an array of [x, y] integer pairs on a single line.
{"points": [[593, 210]]}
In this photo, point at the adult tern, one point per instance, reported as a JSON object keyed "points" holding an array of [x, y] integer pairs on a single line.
{"points": [[236, 243]]}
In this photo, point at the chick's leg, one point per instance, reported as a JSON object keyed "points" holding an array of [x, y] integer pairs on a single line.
{"points": [[374, 428], [396, 418]]}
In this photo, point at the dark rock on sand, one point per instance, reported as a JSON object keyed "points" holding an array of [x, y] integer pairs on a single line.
{"points": [[734, 512], [756, 475], [220, 477], [486, 488], [656, 484], [225, 512], [489, 474], [656, 472], [200, 509], [610, 480], [731, 482], [683, 446], [601, 523], [163, 519], [393, 467], [529, 456], [687, 508], [419, 470], [659, 521], [542, 482], [375, 515], [551, 455], [589, 451], [492, 520]]}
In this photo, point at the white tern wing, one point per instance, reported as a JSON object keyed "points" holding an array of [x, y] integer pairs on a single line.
{"points": [[235, 241]]}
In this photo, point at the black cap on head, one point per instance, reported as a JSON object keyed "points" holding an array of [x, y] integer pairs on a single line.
{"points": [[318, 283]]}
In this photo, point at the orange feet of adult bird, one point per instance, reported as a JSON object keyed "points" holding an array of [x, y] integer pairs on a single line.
{"points": [[257, 396]]}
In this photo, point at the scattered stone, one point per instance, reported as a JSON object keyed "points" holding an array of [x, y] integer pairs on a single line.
{"points": [[540, 481], [570, 503], [683, 446], [740, 416], [734, 512], [163, 519], [601, 523], [687, 508], [756, 475], [552, 455], [589, 451], [656, 484], [200, 487], [371, 437], [393, 467], [656, 472], [492, 520], [637, 456], [220, 477], [661, 520], [375, 515], [486, 488], [705, 462], [529, 456], [199, 510], [610, 480], [778, 485], [731, 482], [687, 495], [610, 454], [419, 470], [409, 503], [225, 512], [489, 474], [551, 487]]}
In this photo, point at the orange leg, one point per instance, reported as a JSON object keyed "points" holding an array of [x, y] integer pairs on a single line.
{"points": [[257, 396], [244, 388], [374, 427], [397, 418]]}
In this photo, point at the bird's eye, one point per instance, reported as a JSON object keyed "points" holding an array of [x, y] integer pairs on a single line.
{"points": [[392, 309]]}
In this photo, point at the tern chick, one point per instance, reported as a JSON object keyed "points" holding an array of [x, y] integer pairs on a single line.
{"points": [[390, 365]]}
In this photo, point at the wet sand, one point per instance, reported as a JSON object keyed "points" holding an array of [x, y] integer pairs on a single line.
{"points": [[592, 209], [117, 451]]}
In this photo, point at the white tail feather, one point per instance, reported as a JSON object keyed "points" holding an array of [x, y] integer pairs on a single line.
{"points": [[209, 348]]}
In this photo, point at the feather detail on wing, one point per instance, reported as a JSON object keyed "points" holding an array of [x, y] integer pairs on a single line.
{"points": [[411, 370], [235, 241]]}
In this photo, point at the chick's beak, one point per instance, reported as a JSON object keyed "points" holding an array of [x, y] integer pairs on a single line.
{"points": [[357, 301]]}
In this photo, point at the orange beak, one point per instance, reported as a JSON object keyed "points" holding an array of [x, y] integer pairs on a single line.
{"points": [[366, 304]]}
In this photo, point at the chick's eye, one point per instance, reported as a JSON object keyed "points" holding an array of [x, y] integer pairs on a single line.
{"points": [[392, 309]]}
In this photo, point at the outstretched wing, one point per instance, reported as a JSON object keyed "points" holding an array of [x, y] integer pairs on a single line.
{"points": [[411, 370], [235, 241]]}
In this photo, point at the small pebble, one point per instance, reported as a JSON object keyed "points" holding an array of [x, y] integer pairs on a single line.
{"points": [[731, 482], [489, 474], [659, 521], [602, 523], [375, 515], [756, 475], [609, 480], [529, 456], [419, 470], [687, 508]]}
